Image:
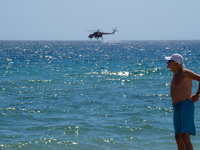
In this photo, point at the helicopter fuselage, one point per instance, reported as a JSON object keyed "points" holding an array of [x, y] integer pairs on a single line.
{"points": [[98, 34]]}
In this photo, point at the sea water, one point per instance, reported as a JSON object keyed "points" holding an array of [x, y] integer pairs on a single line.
{"points": [[90, 95]]}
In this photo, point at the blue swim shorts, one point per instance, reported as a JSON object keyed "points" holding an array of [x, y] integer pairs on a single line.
{"points": [[184, 117]]}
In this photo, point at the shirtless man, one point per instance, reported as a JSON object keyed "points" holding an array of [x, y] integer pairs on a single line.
{"points": [[183, 101]]}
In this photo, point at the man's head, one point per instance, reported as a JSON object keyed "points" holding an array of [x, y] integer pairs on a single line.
{"points": [[176, 58]]}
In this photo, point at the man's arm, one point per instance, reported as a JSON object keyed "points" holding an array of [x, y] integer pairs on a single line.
{"points": [[190, 74]]}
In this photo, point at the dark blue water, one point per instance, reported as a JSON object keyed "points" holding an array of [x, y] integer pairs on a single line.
{"points": [[90, 95]]}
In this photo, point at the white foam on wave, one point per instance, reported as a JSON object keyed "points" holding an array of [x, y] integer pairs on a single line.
{"points": [[106, 72]]}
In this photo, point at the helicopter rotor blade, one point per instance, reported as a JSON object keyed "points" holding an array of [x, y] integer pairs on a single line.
{"points": [[91, 30]]}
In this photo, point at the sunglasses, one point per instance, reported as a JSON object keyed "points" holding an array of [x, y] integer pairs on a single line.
{"points": [[170, 61]]}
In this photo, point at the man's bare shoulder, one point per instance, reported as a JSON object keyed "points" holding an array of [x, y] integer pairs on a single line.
{"points": [[187, 71], [190, 74]]}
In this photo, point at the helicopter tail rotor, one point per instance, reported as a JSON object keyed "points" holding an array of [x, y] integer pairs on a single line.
{"points": [[114, 30]]}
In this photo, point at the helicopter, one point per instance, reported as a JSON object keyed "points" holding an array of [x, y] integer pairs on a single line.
{"points": [[99, 34]]}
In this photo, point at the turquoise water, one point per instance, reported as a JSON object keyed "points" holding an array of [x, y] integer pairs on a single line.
{"points": [[90, 95]]}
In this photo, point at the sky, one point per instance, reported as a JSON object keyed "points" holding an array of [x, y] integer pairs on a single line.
{"points": [[69, 19]]}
